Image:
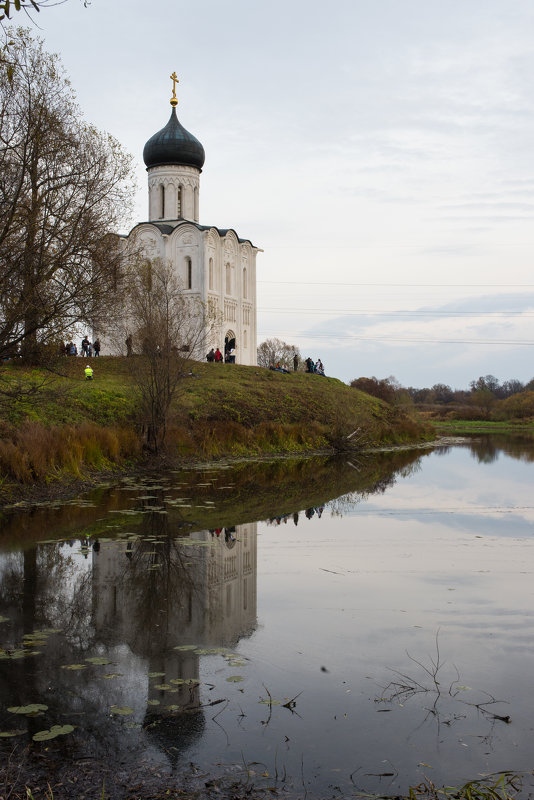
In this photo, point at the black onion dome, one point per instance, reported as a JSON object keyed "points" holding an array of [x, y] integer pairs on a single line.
{"points": [[173, 145]]}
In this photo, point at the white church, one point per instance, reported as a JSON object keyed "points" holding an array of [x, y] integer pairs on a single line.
{"points": [[214, 265]]}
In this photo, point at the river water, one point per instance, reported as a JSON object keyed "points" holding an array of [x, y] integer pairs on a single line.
{"points": [[316, 627]]}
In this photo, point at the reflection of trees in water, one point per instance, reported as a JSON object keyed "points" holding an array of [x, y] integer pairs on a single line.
{"points": [[46, 588], [487, 448], [53, 589]]}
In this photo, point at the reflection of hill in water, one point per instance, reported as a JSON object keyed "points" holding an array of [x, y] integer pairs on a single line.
{"points": [[240, 493], [263, 491]]}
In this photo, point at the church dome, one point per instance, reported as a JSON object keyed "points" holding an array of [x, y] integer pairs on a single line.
{"points": [[173, 145]]}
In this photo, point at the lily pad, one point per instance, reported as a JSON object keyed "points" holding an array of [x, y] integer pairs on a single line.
{"points": [[156, 674], [33, 708], [173, 708], [14, 654], [153, 702], [162, 686], [235, 678], [8, 734], [185, 647], [110, 675], [55, 730], [73, 666], [121, 710], [99, 660], [4, 619]]}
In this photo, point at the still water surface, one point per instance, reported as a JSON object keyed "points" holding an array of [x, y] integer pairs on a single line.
{"points": [[326, 626]]}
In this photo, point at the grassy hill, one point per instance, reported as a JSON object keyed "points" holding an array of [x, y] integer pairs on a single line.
{"points": [[55, 424]]}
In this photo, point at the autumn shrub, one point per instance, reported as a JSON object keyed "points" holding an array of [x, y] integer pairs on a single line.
{"points": [[178, 440], [36, 452], [14, 462], [471, 412], [381, 388], [518, 406], [215, 438]]}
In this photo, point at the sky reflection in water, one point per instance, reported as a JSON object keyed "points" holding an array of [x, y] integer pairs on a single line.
{"points": [[423, 557]]}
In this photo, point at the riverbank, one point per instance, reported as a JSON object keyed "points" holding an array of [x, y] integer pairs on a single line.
{"points": [[58, 429], [92, 780], [483, 426]]}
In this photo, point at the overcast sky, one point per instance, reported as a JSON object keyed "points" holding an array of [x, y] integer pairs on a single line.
{"points": [[380, 152]]}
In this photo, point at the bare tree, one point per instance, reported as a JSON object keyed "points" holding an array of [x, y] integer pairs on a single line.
{"points": [[272, 351], [169, 329], [7, 7], [63, 187]]}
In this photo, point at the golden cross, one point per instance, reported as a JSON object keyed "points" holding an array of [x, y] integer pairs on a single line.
{"points": [[174, 79]]}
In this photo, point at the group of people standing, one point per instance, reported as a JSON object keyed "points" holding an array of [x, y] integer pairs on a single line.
{"points": [[217, 356], [88, 348]]}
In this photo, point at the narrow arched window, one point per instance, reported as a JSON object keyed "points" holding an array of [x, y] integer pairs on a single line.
{"points": [[244, 340], [245, 282], [179, 202], [228, 279], [210, 274], [162, 200], [188, 273]]}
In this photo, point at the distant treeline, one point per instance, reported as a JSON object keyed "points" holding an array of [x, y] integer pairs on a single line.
{"points": [[486, 397]]}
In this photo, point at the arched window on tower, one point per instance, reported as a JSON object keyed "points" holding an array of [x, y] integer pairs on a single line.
{"points": [[188, 273], [245, 283], [210, 274], [162, 200], [245, 345], [228, 279], [179, 202]]}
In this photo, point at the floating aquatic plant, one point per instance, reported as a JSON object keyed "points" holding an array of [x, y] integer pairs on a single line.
{"points": [[55, 730], [30, 710], [121, 710]]}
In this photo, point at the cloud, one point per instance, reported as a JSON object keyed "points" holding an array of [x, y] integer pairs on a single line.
{"points": [[452, 343]]}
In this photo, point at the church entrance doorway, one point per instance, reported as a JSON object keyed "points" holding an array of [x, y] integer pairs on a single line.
{"points": [[229, 347]]}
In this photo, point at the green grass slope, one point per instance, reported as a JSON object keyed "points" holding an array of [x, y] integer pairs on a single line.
{"points": [[220, 409]]}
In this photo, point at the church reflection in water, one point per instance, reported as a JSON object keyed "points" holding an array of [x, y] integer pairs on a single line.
{"points": [[176, 592]]}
